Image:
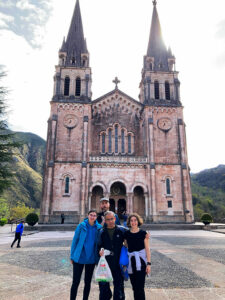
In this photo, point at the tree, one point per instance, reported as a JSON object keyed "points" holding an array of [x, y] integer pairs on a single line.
{"points": [[6, 142], [21, 211], [4, 208]]}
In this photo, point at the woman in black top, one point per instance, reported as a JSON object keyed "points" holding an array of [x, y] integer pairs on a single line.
{"points": [[139, 255]]}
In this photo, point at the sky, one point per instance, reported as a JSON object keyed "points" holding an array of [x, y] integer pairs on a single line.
{"points": [[117, 33]]}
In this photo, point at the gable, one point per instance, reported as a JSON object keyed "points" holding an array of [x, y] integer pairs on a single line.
{"points": [[116, 101]]}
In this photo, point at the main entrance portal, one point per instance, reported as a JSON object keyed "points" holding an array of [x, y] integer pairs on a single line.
{"points": [[118, 198]]}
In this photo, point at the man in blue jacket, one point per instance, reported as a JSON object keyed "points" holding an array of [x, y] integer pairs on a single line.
{"points": [[18, 234]]}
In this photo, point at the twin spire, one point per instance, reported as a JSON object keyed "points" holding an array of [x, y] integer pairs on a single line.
{"points": [[75, 44], [156, 46]]}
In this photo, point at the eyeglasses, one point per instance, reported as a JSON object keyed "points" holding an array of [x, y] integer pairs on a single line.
{"points": [[93, 216], [110, 219]]}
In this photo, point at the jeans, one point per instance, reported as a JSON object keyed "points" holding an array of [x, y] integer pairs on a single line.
{"points": [[17, 237], [118, 283], [77, 272], [137, 280]]}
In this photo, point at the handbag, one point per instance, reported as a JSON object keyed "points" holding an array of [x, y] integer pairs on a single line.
{"points": [[124, 262]]}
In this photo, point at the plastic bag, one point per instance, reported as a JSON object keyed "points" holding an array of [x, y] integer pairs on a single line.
{"points": [[103, 272]]}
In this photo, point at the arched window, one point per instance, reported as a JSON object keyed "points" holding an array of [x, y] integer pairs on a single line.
{"points": [[151, 68], [168, 189], [156, 86], [116, 139], [78, 86], [67, 86], [129, 143], [103, 143], [122, 141], [167, 90], [110, 140], [67, 185]]}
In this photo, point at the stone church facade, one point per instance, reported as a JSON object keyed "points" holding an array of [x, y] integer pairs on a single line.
{"points": [[132, 151]]}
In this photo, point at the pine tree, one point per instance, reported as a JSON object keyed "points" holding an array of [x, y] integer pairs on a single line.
{"points": [[6, 141]]}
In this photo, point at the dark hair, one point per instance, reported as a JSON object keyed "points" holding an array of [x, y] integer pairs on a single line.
{"points": [[94, 211], [139, 219]]}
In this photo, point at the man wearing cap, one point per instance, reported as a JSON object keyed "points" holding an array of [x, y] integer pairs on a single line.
{"points": [[104, 206]]}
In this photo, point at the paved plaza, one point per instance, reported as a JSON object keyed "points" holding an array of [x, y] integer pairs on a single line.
{"points": [[185, 265]]}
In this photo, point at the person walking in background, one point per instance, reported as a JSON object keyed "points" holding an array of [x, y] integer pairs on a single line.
{"points": [[111, 238], [137, 241], [84, 252], [105, 206], [18, 234], [62, 218]]}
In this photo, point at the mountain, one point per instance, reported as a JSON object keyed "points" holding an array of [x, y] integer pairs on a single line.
{"points": [[28, 169], [208, 193]]}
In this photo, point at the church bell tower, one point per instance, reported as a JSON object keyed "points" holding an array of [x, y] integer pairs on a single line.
{"points": [[65, 178], [73, 74], [166, 147]]}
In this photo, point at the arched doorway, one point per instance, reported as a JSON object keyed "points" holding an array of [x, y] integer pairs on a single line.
{"points": [[139, 201], [112, 204], [118, 197], [97, 194]]}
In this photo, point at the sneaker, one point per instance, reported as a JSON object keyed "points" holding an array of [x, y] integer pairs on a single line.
{"points": [[11, 246], [18, 247]]}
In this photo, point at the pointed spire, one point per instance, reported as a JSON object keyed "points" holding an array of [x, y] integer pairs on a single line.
{"points": [[156, 45], [75, 42], [63, 47]]}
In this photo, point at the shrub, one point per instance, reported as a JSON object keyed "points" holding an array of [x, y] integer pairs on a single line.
{"points": [[21, 211], [206, 218], [3, 221], [32, 219]]}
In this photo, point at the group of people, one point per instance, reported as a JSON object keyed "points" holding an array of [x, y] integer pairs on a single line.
{"points": [[102, 231]]}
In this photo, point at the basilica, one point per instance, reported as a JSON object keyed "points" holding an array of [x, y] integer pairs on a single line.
{"points": [[133, 151]]}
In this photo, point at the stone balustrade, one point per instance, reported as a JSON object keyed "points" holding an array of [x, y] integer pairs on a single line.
{"points": [[119, 159]]}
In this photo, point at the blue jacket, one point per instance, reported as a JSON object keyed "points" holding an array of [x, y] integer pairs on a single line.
{"points": [[19, 228], [79, 239]]}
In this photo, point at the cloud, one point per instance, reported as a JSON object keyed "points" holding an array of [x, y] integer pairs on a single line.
{"points": [[26, 18], [221, 30]]}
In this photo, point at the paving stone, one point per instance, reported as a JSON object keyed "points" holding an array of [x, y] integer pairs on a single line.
{"points": [[181, 268]]}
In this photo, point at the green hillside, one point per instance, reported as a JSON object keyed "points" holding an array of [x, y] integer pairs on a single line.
{"points": [[28, 169], [208, 193]]}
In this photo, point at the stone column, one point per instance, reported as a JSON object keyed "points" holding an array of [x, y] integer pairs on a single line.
{"points": [[146, 205], [177, 89], [129, 203], [185, 178], [148, 79], [49, 170], [87, 77], [152, 166], [58, 81], [84, 166]]}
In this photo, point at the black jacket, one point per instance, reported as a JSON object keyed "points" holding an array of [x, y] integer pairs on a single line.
{"points": [[114, 246]]}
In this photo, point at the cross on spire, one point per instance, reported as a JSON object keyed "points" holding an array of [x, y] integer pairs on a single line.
{"points": [[116, 81], [154, 2]]}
